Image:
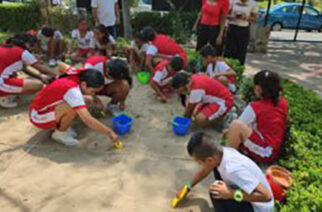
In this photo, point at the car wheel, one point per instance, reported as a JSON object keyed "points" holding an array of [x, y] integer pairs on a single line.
{"points": [[277, 27]]}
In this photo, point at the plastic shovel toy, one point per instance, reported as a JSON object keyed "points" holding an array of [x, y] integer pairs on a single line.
{"points": [[180, 196]]}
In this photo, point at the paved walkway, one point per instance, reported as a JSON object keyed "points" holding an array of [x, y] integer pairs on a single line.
{"points": [[299, 61]]}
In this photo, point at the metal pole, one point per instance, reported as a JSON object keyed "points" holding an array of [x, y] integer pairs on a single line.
{"points": [[299, 20], [267, 12]]}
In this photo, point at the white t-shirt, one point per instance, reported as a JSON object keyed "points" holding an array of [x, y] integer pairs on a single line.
{"points": [[105, 11], [44, 40], [100, 46], [143, 48], [244, 9], [238, 171], [220, 67], [151, 50], [86, 42], [160, 77]]}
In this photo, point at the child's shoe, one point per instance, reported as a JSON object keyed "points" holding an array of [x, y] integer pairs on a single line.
{"points": [[64, 138], [114, 109], [8, 102], [72, 132], [52, 63]]}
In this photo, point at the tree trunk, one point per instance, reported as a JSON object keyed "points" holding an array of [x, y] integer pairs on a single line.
{"points": [[127, 19]]}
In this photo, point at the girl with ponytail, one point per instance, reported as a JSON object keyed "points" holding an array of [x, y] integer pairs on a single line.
{"points": [[260, 130]]}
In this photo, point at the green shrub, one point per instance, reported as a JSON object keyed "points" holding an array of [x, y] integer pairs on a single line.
{"points": [[19, 17], [303, 147]]}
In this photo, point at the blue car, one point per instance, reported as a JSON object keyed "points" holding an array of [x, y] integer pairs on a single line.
{"points": [[285, 16]]}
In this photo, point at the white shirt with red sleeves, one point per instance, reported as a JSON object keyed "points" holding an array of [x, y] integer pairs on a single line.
{"points": [[99, 63], [267, 120], [12, 60], [205, 89], [65, 89]]}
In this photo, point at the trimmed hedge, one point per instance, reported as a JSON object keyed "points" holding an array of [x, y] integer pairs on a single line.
{"points": [[19, 17], [303, 148]]}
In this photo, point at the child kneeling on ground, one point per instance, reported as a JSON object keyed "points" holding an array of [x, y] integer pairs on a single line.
{"points": [[50, 42], [209, 100], [239, 184], [163, 74], [59, 103], [218, 68], [84, 38], [260, 130]]}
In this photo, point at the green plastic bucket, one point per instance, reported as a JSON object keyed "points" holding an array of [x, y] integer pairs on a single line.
{"points": [[143, 77]]}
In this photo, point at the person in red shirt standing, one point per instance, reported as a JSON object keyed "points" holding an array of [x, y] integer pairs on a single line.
{"points": [[59, 103], [210, 23], [163, 74], [209, 100], [13, 55], [260, 130], [161, 46]]}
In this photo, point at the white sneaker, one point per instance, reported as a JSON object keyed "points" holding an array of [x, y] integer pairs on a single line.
{"points": [[72, 132], [114, 109], [8, 102], [64, 138], [52, 63]]}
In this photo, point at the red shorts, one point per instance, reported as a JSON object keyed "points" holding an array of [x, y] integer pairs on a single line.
{"points": [[45, 119], [83, 52], [259, 149], [212, 110], [11, 86]]}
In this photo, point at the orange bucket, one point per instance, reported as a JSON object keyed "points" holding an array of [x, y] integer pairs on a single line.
{"points": [[280, 180]]}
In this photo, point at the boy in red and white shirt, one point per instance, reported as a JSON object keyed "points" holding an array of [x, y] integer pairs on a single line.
{"points": [[261, 129], [162, 75], [60, 102], [209, 100], [161, 46], [13, 55], [218, 68]]}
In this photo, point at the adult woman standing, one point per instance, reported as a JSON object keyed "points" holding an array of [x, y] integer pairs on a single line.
{"points": [[242, 13], [210, 23]]}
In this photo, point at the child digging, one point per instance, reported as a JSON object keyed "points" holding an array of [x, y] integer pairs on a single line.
{"points": [[163, 74]]}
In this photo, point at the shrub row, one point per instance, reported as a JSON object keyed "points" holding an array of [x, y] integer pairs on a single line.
{"points": [[303, 148]]}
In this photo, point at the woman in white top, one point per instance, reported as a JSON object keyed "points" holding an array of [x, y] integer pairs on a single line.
{"points": [[242, 13]]}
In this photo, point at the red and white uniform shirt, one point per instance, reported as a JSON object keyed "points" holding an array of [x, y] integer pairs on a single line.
{"points": [[42, 110], [163, 44], [214, 98], [12, 60], [221, 67], [269, 125], [99, 63], [161, 74]]}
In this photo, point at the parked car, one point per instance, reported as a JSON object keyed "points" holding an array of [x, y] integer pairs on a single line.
{"points": [[285, 16]]}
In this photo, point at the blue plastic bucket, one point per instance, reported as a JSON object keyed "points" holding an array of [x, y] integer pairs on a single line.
{"points": [[181, 125], [122, 123]]}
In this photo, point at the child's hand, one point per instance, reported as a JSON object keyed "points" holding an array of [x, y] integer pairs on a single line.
{"points": [[220, 190]]}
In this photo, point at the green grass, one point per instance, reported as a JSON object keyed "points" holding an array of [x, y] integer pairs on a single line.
{"points": [[4, 36]]}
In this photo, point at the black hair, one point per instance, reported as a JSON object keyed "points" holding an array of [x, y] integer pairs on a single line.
{"points": [[15, 42], [179, 80], [92, 77], [48, 31], [148, 33], [202, 146], [102, 29], [208, 50], [176, 63], [270, 84], [119, 70], [140, 36], [27, 38]]}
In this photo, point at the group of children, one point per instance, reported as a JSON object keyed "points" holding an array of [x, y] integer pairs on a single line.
{"points": [[259, 132]]}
